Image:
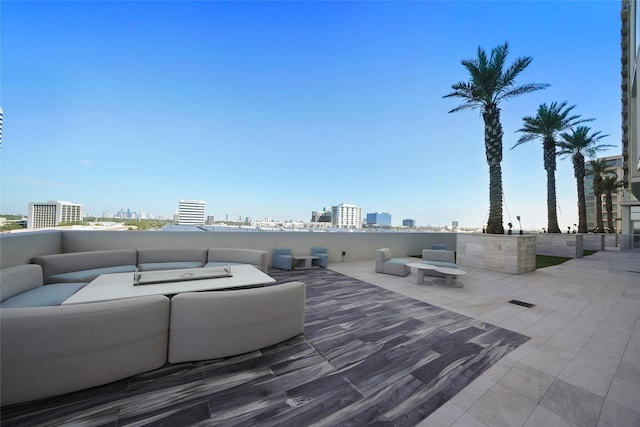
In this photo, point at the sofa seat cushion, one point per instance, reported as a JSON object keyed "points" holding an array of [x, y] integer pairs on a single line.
{"points": [[43, 296], [152, 266], [440, 263], [86, 276]]}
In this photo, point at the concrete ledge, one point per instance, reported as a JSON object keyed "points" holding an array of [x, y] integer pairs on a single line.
{"points": [[564, 245], [593, 242], [497, 252]]}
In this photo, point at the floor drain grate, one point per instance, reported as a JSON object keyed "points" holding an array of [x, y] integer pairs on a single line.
{"points": [[522, 303]]}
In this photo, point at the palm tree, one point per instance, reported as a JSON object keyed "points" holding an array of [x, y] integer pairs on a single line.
{"points": [[599, 167], [610, 185], [546, 125], [576, 144], [489, 84]]}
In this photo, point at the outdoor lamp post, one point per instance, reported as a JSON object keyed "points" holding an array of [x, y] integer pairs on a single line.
{"points": [[520, 224]]}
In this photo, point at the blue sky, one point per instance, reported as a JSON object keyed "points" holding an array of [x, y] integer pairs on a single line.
{"points": [[276, 109]]}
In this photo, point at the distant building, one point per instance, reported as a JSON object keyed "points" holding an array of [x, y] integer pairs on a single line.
{"points": [[52, 213], [346, 216], [379, 219], [191, 212], [630, 108], [614, 164], [210, 220], [324, 216], [411, 223]]}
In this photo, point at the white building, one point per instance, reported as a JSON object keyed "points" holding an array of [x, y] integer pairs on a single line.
{"points": [[630, 74], [346, 216], [191, 212], [52, 213]]}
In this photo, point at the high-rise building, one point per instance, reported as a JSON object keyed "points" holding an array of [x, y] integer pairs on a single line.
{"points": [[346, 216], [52, 213], [614, 165], [324, 216], [191, 212], [409, 223], [630, 44], [379, 219]]}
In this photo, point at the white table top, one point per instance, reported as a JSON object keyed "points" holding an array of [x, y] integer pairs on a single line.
{"points": [[421, 265], [120, 285], [451, 271]]}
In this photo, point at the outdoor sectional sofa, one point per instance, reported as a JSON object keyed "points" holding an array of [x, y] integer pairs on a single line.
{"points": [[50, 349]]}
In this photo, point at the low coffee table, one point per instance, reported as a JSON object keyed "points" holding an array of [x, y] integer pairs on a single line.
{"points": [[113, 286], [302, 262], [420, 268], [449, 274]]}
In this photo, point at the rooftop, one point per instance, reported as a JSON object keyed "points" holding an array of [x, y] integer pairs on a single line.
{"points": [[570, 360]]}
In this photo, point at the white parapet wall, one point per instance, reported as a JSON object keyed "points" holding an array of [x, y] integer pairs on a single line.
{"points": [[564, 245], [19, 248], [497, 252]]}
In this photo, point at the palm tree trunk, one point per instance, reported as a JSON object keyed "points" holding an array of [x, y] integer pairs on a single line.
{"points": [[609, 201], [493, 148], [599, 225], [549, 149], [578, 167]]}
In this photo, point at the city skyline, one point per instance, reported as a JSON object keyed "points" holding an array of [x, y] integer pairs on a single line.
{"points": [[278, 109]]}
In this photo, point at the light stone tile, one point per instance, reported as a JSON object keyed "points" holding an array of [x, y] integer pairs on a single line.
{"points": [[502, 407], [498, 370], [542, 417], [625, 393], [474, 391], [547, 361], [597, 361], [629, 367], [588, 378], [468, 420], [529, 382], [576, 404], [444, 416], [599, 345], [561, 348], [614, 415]]}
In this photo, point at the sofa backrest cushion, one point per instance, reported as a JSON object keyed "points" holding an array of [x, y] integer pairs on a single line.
{"points": [[383, 254], [438, 255], [78, 261], [18, 279], [240, 256], [158, 255]]}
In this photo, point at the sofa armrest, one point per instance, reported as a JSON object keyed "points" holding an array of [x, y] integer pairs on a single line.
{"points": [[48, 351], [18, 279]]}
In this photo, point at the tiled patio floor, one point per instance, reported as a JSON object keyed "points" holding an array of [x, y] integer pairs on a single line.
{"points": [[582, 365]]}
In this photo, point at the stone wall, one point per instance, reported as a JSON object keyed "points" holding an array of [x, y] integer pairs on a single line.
{"points": [[513, 254], [593, 242], [564, 245]]}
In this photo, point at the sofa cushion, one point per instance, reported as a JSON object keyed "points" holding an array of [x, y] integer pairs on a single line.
{"points": [[152, 266], [398, 260], [86, 276], [79, 261], [18, 279], [43, 296], [164, 255]]}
